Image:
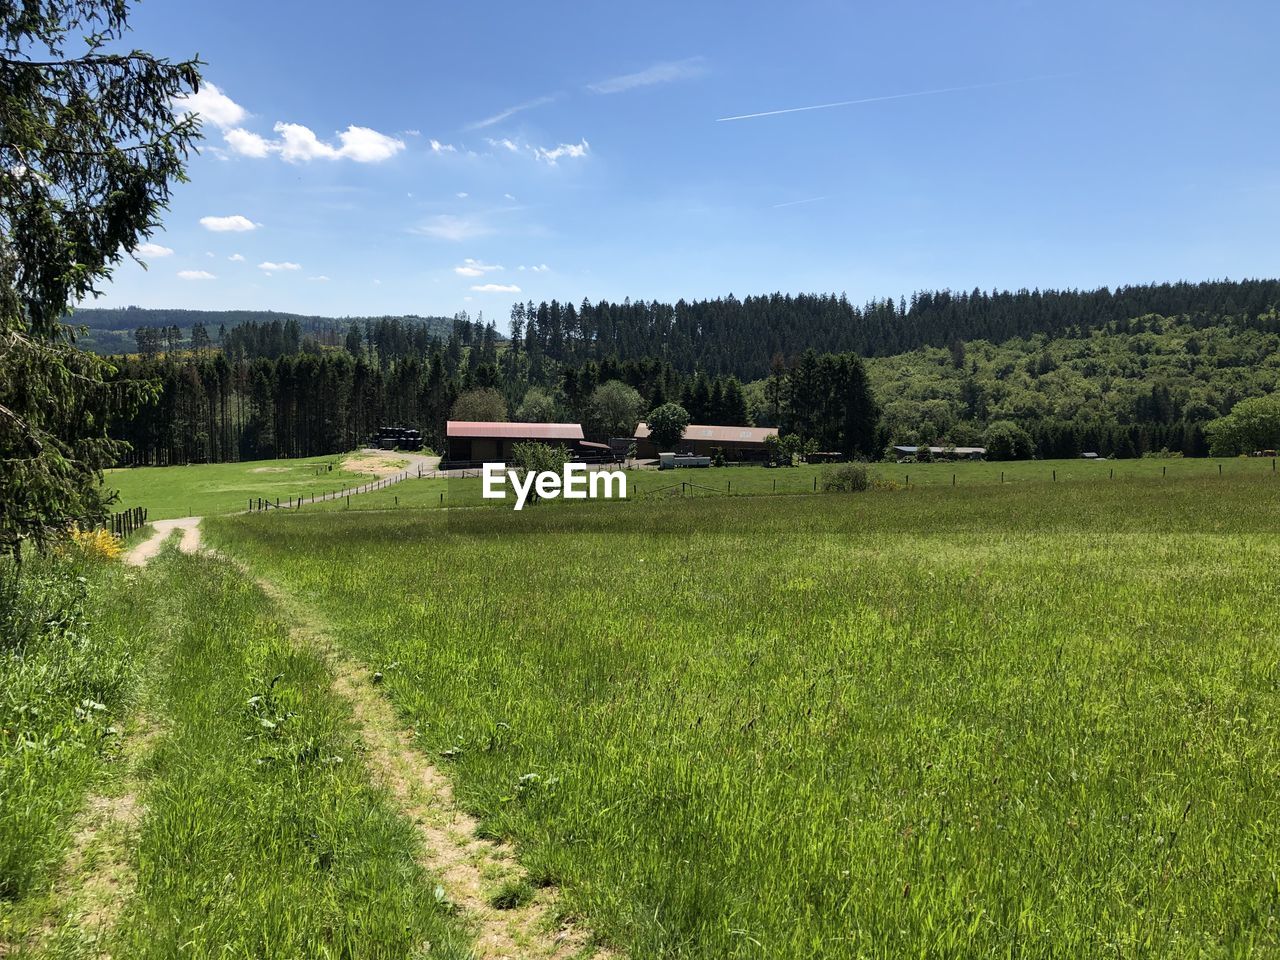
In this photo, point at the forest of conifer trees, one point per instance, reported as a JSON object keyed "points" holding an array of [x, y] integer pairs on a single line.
{"points": [[1124, 372]]}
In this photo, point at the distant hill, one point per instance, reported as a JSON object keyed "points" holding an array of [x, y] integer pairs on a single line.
{"points": [[111, 331], [744, 337]]}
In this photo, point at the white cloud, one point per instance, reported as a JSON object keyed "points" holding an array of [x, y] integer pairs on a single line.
{"points": [[438, 147], [666, 72], [236, 258], [574, 150], [247, 144], [474, 268], [299, 144], [321, 279], [446, 227], [496, 288], [549, 154], [212, 105], [364, 145], [509, 112], [232, 224], [196, 275], [154, 250], [463, 196], [271, 267], [509, 197], [540, 268]]}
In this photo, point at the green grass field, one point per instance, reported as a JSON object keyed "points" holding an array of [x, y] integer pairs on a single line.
{"points": [[213, 488], [252, 826], [433, 492], [1033, 721]]}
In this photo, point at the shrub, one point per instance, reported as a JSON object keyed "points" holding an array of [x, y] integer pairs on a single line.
{"points": [[96, 544], [1005, 440], [847, 478]]}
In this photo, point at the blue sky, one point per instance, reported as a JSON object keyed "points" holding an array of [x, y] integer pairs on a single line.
{"points": [[428, 158]]}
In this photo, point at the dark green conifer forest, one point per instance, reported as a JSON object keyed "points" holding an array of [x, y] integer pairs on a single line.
{"points": [[1126, 372]]}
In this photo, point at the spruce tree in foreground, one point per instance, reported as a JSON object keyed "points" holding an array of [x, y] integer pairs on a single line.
{"points": [[90, 143]]}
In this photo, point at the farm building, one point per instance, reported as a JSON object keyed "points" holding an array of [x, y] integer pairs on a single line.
{"points": [[738, 443], [472, 441], [945, 453]]}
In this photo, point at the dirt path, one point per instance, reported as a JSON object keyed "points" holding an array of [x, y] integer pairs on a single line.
{"points": [[472, 871], [160, 531], [96, 877], [419, 466]]}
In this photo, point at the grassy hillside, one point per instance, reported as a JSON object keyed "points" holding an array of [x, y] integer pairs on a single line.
{"points": [[1122, 389], [210, 488]]}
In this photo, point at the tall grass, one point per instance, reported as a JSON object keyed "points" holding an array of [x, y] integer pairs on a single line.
{"points": [[955, 722], [263, 835], [68, 675]]}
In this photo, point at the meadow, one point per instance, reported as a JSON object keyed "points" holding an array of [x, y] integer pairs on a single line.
{"points": [[175, 784], [212, 488], [456, 491], [1026, 720], [1034, 719]]}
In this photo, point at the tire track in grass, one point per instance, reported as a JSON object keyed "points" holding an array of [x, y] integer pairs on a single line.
{"points": [[482, 878], [97, 876]]}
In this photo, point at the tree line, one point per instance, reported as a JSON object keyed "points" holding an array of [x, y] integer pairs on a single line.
{"points": [[744, 337], [1122, 387]]}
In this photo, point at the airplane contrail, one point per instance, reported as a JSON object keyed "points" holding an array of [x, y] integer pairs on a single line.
{"points": [[792, 203], [892, 96]]}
